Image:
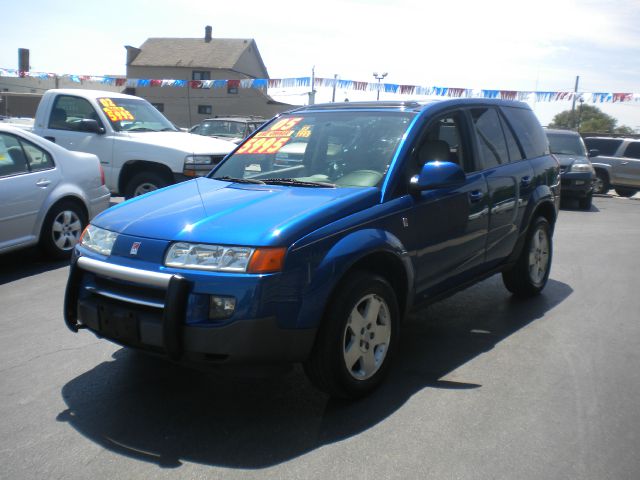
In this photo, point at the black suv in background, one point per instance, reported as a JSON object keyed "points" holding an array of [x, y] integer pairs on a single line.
{"points": [[617, 164], [576, 172]]}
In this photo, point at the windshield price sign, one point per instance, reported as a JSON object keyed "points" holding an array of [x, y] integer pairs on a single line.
{"points": [[271, 140]]}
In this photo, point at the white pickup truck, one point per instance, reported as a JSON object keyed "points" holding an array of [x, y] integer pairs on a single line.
{"points": [[140, 150]]}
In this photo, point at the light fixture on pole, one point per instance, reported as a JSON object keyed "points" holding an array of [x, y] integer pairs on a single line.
{"points": [[379, 77]]}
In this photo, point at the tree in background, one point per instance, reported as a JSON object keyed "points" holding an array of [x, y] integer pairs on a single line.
{"points": [[588, 119]]}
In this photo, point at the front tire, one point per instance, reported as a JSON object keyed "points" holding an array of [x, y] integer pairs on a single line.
{"points": [[531, 272], [357, 338], [144, 182], [585, 203], [62, 228]]}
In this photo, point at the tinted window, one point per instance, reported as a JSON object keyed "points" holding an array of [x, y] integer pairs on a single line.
{"points": [[441, 141], [491, 141], [512, 145], [528, 130], [13, 160], [633, 150], [607, 146]]}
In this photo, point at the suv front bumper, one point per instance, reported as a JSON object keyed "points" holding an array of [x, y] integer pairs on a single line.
{"points": [[157, 322], [576, 185]]}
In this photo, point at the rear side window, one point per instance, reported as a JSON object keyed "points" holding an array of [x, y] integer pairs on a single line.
{"points": [[528, 130], [12, 158], [606, 146], [633, 150], [491, 141]]}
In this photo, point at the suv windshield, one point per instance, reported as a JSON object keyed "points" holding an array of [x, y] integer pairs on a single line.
{"points": [[228, 128], [566, 144], [344, 149], [134, 115]]}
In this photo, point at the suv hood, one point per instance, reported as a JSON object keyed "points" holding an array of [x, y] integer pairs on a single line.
{"points": [[186, 142], [567, 160], [213, 211]]}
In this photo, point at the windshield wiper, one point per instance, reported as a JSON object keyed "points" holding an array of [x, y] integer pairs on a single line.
{"points": [[239, 180], [297, 183]]}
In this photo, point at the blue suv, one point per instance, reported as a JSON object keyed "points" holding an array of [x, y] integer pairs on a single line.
{"points": [[388, 206]]}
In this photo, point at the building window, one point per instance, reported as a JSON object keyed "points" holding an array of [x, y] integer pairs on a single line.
{"points": [[204, 109], [159, 106], [201, 75], [232, 86]]}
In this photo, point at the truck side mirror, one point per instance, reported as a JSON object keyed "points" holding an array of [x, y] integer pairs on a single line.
{"points": [[594, 152], [435, 175], [90, 125]]}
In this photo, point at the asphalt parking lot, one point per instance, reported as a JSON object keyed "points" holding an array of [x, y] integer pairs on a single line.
{"points": [[485, 386]]}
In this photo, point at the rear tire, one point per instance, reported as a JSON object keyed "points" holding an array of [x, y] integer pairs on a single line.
{"points": [[626, 192], [62, 228], [531, 272], [144, 182], [357, 337]]}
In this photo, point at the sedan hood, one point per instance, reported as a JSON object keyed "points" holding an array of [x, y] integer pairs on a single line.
{"points": [[212, 211]]}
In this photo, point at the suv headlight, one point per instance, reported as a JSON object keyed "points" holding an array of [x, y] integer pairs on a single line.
{"points": [[222, 258], [198, 160], [98, 239], [581, 167]]}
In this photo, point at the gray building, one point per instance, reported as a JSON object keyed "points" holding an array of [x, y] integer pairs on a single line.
{"points": [[201, 59]]}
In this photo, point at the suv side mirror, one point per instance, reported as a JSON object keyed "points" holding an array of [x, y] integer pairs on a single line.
{"points": [[594, 152], [90, 125], [437, 174]]}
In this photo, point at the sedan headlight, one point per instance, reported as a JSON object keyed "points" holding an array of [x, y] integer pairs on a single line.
{"points": [[581, 167], [98, 239], [222, 258]]}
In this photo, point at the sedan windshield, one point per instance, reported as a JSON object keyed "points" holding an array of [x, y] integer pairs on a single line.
{"points": [[343, 149], [134, 115], [566, 144]]}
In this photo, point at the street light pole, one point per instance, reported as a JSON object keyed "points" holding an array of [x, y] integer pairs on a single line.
{"points": [[379, 77]]}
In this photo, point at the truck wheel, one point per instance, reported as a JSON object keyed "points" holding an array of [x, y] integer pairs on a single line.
{"points": [[530, 273], [626, 192], [62, 228], [144, 182], [601, 184], [585, 203], [357, 338]]}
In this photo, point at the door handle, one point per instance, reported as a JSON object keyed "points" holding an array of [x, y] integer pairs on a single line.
{"points": [[51, 139], [525, 181], [43, 183], [476, 196], [623, 163]]}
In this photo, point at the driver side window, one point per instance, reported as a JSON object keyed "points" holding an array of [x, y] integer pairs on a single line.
{"points": [[68, 111]]}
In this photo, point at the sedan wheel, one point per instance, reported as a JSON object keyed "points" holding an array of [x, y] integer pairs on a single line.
{"points": [[66, 230], [62, 228]]}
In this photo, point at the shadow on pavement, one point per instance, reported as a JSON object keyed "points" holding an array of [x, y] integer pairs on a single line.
{"points": [[151, 410], [25, 263]]}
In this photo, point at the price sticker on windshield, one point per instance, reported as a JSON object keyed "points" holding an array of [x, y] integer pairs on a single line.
{"points": [[115, 112], [271, 140]]}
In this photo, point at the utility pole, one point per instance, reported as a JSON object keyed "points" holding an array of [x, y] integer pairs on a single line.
{"points": [[312, 94], [573, 106], [335, 82]]}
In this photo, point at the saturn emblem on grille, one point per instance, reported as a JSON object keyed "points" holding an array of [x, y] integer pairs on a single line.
{"points": [[134, 248]]}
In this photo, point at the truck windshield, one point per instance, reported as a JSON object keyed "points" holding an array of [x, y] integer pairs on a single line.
{"points": [[134, 115], [343, 149]]}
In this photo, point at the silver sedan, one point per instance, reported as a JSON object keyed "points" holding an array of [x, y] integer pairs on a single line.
{"points": [[47, 193]]}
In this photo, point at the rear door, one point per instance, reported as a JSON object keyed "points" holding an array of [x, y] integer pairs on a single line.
{"points": [[627, 171], [27, 176], [509, 178]]}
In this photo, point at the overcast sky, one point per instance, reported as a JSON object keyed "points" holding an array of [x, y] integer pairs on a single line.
{"points": [[488, 44]]}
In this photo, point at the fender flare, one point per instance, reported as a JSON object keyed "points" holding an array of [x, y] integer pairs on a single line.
{"points": [[351, 250]]}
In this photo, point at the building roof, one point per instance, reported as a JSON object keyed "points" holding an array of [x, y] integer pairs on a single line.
{"points": [[222, 53]]}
